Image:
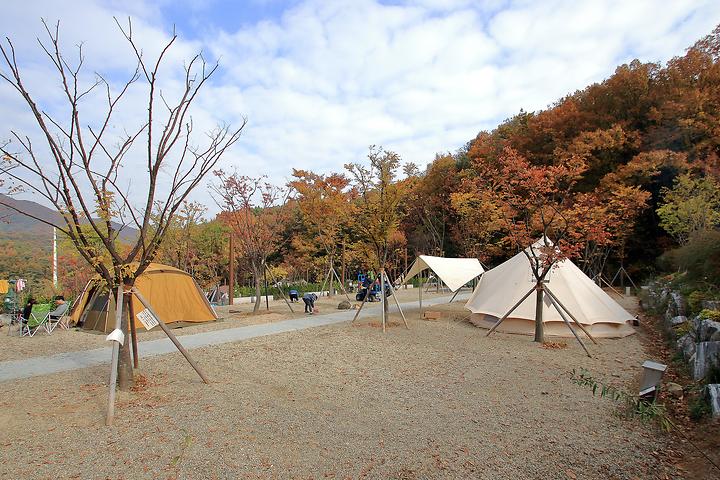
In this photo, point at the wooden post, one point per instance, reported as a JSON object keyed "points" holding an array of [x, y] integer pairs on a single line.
{"points": [[170, 335], [114, 360], [133, 332], [342, 269], [267, 297], [502, 319], [342, 287], [231, 267], [405, 284], [382, 296]]}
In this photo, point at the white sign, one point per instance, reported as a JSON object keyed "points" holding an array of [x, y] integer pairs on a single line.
{"points": [[147, 319]]}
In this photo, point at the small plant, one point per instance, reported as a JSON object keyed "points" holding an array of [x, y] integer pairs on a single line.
{"points": [[635, 406], [707, 314], [695, 300], [699, 408]]}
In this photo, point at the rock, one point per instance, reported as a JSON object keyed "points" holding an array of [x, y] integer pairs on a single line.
{"points": [[674, 390], [706, 354], [686, 344], [711, 304], [678, 320], [679, 301], [344, 305], [712, 392], [708, 330]]}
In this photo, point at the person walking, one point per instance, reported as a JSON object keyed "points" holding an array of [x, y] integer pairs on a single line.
{"points": [[309, 300]]}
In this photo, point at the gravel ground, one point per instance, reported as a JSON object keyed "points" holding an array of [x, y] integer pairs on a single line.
{"points": [[440, 400]]}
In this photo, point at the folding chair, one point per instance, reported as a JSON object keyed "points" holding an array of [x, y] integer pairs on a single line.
{"points": [[55, 318], [30, 328]]}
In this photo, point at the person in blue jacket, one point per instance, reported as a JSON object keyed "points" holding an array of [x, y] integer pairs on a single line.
{"points": [[309, 300]]}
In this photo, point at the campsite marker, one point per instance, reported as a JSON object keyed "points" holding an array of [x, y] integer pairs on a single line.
{"points": [[147, 319]]}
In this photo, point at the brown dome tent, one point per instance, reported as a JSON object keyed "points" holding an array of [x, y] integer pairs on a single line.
{"points": [[173, 294]]}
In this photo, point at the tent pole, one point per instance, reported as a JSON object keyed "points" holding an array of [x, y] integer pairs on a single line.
{"points": [[420, 292], [392, 292], [554, 297], [567, 322], [272, 277], [170, 335], [114, 361], [497, 324]]}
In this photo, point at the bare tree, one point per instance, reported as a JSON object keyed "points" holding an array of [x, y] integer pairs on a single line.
{"points": [[77, 169]]}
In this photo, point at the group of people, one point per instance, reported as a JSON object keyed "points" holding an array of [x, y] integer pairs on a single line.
{"points": [[61, 308]]}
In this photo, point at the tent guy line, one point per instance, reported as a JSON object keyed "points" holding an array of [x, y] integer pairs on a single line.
{"points": [[63, 362]]}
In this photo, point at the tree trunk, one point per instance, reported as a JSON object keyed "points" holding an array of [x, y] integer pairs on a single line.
{"points": [[257, 275], [539, 327], [125, 367]]}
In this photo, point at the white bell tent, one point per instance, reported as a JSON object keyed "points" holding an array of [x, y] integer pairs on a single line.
{"points": [[504, 286]]}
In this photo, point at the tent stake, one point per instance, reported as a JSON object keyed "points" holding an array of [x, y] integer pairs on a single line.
{"points": [[559, 309], [170, 335], [554, 297], [392, 292], [279, 288], [114, 361], [497, 324]]}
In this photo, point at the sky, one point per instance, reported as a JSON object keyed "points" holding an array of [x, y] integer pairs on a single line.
{"points": [[321, 81]]}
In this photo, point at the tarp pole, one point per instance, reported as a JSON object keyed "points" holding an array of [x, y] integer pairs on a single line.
{"points": [[502, 319], [170, 335], [114, 360], [554, 297]]}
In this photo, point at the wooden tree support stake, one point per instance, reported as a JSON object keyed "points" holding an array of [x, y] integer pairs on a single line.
{"points": [[502, 319], [567, 322], [114, 361], [580, 325], [342, 286], [392, 292], [170, 335], [133, 334], [382, 297], [272, 277]]}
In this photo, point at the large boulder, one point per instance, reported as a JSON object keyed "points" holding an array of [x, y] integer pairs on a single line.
{"points": [[686, 345], [709, 330], [344, 305], [674, 390], [706, 355], [712, 392], [678, 320]]}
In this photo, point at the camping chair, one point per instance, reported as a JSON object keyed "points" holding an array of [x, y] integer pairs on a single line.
{"points": [[30, 328], [55, 318]]}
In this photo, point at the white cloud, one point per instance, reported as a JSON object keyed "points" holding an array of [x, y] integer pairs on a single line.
{"points": [[323, 80]]}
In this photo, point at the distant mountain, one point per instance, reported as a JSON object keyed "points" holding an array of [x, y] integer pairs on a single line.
{"points": [[14, 224]]}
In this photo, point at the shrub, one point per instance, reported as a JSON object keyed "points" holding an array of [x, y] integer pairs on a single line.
{"points": [[695, 299], [713, 315], [699, 408]]}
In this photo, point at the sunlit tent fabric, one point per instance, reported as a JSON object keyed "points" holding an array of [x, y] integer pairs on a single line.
{"points": [[503, 286], [454, 272], [173, 294]]}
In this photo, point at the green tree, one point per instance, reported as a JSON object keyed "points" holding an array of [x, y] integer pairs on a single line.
{"points": [[691, 206]]}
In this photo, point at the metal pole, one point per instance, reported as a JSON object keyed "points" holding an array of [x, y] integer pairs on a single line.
{"points": [[114, 360], [55, 259]]}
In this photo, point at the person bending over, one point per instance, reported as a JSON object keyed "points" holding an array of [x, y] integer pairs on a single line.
{"points": [[309, 300]]}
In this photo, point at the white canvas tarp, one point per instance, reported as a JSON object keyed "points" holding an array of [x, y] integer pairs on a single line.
{"points": [[454, 272], [504, 285]]}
